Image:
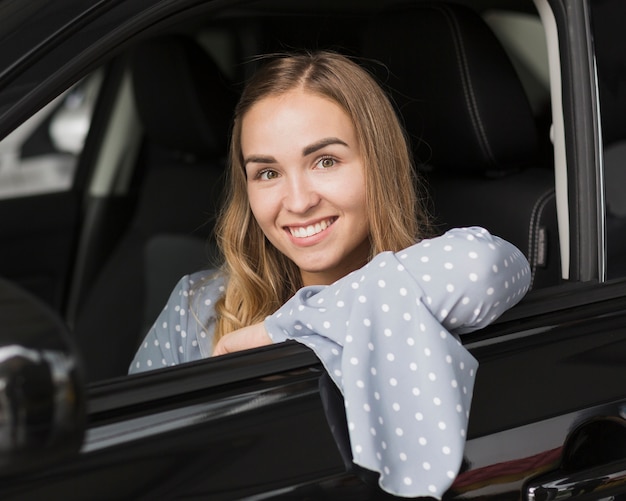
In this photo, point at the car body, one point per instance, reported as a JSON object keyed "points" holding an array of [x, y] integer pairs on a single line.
{"points": [[548, 412]]}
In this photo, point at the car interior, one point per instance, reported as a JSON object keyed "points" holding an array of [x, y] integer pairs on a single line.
{"points": [[475, 107]]}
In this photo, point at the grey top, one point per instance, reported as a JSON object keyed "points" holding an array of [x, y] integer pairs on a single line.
{"points": [[387, 335]]}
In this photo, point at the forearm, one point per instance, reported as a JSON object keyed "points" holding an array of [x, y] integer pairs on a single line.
{"points": [[466, 278], [382, 333]]}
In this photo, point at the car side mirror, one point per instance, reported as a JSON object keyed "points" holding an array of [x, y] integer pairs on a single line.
{"points": [[42, 411]]}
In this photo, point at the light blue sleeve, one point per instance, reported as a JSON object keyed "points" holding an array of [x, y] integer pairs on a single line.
{"points": [[386, 334], [183, 332]]}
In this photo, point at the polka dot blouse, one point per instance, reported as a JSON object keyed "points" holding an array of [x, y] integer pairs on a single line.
{"points": [[388, 336]]}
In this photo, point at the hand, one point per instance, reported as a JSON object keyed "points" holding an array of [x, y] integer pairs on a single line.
{"points": [[242, 339]]}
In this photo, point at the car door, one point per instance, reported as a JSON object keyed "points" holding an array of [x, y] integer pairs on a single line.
{"points": [[546, 416], [570, 388]]}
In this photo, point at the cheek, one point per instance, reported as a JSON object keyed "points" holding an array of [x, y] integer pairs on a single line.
{"points": [[261, 207], [355, 200], [354, 191], [361, 213]]}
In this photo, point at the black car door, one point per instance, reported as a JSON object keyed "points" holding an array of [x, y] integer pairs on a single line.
{"points": [[267, 424]]}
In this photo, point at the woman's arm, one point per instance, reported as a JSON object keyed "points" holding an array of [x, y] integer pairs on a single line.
{"points": [[249, 337], [183, 331], [383, 334], [466, 278]]}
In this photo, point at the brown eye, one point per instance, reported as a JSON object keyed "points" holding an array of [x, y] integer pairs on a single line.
{"points": [[326, 163], [268, 174]]}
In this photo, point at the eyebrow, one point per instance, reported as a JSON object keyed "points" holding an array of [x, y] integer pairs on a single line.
{"points": [[259, 159], [307, 150], [322, 143]]}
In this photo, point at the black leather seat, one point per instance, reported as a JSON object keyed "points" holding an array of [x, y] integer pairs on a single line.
{"points": [[472, 127], [185, 105]]}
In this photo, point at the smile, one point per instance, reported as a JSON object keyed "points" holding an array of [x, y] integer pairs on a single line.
{"points": [[310, 230]]}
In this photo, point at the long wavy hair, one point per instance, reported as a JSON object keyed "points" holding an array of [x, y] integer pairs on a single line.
{"points": [[259, 277]]}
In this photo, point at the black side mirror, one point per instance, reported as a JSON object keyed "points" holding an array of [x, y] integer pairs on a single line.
{"points": [[42, 411]]}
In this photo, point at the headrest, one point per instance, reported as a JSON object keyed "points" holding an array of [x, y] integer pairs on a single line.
{"points": [[463, 104], [184, 101]]}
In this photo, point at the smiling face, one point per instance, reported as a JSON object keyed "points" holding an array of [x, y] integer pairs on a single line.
{"points": [[306, 183]]}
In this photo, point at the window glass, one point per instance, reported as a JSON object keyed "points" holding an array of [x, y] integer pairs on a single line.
{"points": [[610, 50], [41, 155]]}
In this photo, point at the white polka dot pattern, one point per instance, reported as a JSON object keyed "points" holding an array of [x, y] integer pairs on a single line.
{"points": [[183, 332], [407, 382]]}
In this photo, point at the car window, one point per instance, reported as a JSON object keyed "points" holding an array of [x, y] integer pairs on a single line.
{"points": [[520, 184], [610, 51], [158, 174], [41, 155]]}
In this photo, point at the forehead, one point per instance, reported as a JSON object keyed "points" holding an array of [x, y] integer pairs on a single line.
{"points": [[297, 115]]}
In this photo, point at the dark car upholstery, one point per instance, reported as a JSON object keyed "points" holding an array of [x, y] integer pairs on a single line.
{"points": [[472, 127], [185, 104]]}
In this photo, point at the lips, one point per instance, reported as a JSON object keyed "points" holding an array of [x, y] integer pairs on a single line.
{"points": [[311, 229]]}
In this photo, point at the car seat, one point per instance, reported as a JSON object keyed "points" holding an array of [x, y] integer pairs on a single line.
{"points": [[471, 125], [185, 104]]}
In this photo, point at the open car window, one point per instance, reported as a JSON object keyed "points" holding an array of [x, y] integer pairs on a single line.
{"points": [[156, 183], [153, 195]]}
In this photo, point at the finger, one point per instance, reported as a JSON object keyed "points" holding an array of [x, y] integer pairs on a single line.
{"points": [[219, 349]]}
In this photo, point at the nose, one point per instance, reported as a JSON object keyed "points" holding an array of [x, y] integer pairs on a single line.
{"points": [[301, 194]]}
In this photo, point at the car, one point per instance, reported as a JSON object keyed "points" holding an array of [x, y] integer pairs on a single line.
{"points": [[115, 119]]}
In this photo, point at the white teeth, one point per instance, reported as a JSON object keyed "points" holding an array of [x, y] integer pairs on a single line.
{"points": [[309, 231]]}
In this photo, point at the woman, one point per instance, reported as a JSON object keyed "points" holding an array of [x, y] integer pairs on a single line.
{"points": [[319, 240]]}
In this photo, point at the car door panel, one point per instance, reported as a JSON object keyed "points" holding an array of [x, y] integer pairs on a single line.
{"points": [[215, 444], [268, 429], [557, 361]]}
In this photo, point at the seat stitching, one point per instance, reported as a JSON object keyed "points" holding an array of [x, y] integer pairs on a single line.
{"points": [[468, 89], [533, 238]]}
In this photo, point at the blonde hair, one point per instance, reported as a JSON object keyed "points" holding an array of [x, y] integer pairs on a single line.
{"points": [[260, 278]]}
